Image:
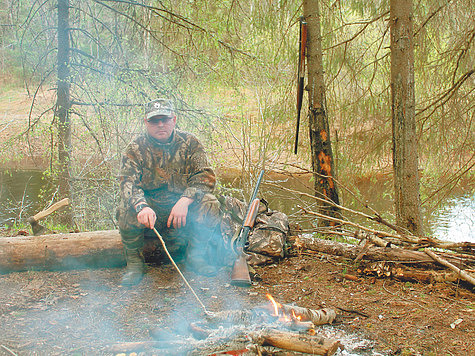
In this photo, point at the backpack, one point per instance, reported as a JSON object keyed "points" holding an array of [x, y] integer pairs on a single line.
{"points": [[268, 238]]}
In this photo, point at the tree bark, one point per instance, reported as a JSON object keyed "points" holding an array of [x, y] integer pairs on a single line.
{"points": [[320, 143], [63, 105], [405, 156]]}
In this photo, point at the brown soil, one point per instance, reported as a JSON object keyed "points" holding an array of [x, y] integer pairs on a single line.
{"points": [[84, 312]]}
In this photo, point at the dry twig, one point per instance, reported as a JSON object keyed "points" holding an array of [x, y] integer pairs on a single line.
{"points": [[466, 276]]}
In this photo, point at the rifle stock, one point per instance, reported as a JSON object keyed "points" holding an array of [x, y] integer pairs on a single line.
{"points": [[240, 273], [251, 216]]}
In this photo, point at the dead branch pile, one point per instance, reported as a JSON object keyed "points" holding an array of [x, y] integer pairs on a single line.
{"points": [[379, 246], [396, 244]]}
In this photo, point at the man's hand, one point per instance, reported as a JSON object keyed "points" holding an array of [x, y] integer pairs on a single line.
{"points": [[147, 217], [179, 212]]}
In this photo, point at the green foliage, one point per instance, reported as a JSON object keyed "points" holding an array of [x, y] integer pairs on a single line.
{"points": [[231, 68], [12, 229]]}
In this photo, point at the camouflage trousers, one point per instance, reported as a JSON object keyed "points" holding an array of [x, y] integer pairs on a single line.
{"points": [[201, 231]]}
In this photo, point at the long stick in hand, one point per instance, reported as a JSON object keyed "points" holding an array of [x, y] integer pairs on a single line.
{"points": [[181, 274]]}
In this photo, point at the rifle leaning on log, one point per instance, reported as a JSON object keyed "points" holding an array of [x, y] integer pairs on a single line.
{"points": [[240, 274]]}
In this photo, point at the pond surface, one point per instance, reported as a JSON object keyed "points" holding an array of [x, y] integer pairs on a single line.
{"points": [[20, 197], [20, 193], [456, 219]]}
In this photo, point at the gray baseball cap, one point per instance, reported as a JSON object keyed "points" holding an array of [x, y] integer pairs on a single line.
{"points": [[159, 107]]}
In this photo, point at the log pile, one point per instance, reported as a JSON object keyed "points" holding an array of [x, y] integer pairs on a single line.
{"points": [[461, 265], [399, 246]]}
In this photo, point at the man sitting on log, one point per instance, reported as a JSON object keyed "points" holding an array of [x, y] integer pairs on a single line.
{"points": [[167, 183]]}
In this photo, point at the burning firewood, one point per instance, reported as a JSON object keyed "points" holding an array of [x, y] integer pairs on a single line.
{"points": [[315, 345], [317, 317], [228, 341], [298, 325], [277, 325], [295, 317], [294, 313], [236, 317]]}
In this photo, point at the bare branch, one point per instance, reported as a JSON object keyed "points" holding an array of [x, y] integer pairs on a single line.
{"points": [[359, 32], [443, 98], [431, 15], [185, 20]]}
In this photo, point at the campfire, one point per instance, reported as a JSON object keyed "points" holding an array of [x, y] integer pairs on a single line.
{"points": [[263, 330], [298, 318]]}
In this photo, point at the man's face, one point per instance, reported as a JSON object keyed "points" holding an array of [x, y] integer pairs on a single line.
{"points": [[161, 127]]}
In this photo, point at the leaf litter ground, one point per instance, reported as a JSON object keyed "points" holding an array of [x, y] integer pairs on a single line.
{"points": [[86, 311]]}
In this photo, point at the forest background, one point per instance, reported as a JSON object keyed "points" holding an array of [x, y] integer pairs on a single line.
{"points": [[231, 67]]}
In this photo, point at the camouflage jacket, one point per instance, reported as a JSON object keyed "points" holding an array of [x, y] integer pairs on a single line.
{"points": [[150, 167]]}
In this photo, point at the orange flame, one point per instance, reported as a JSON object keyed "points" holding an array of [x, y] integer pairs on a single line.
{"points": [[296, 317], [275, 304], [280, 313]]}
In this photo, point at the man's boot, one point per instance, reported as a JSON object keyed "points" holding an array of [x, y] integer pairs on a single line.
{"points": [[135, 268]]}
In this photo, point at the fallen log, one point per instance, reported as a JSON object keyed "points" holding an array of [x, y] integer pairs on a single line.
{"points": [[61, 251], [372, 253], [424, 276], [92, 249], [397, 271]]}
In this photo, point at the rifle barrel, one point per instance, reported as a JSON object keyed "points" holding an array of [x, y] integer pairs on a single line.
{"points": [[251, 213], [256, 189]]}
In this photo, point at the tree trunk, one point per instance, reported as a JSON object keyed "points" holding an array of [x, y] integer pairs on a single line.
{"points": [[322, 157], [405, 157], [63, 105]]}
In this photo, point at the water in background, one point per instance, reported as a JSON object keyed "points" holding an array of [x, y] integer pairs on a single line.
{"points": [[19, 195], [453, 221]]}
